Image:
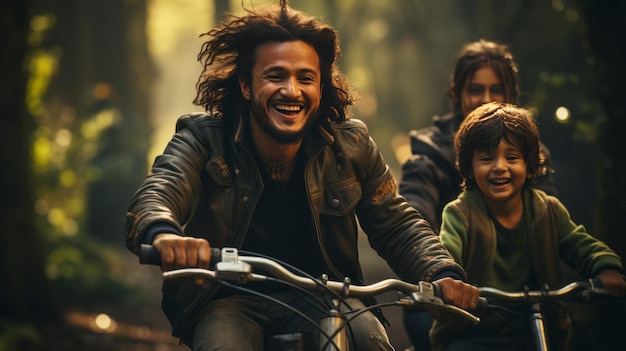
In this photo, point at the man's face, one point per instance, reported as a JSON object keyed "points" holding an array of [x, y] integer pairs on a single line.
{"points": [[483, 87], [285, 89]]}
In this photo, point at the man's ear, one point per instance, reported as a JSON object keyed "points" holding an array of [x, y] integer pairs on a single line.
{"points": [[245, 89]]}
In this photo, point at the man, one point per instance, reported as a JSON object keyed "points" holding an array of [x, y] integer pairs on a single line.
{"points": [[277, 167]]}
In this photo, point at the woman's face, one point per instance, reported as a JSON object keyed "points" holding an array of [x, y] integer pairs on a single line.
{"points": [[484, 86]]}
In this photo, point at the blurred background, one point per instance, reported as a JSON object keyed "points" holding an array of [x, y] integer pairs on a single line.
{"points": [[91, 89]]}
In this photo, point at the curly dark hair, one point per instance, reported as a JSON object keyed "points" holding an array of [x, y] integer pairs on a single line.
{"points": [[483, 53], [487, 125], [229, 55]]}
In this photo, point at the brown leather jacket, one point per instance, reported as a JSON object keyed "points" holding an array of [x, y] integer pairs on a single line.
{"points": [[206, 184]]}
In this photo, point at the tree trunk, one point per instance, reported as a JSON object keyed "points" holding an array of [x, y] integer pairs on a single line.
{"points": [[25, 295], [606, 35], [105, 66]]}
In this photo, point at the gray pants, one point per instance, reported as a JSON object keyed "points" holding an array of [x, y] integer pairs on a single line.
{"points": [[245, 323]]}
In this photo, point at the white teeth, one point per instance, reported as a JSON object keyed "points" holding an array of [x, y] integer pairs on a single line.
{"points": [[499, 181], [288, 108]]}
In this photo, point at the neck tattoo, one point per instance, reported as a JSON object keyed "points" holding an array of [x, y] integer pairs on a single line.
{"points": [[279, 171]]}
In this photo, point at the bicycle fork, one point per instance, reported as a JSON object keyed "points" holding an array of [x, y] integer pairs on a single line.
{"points": [[334, 326], [538, 328]]}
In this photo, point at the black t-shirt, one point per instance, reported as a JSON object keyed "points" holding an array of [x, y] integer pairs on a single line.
{"points": [[282, 226]]}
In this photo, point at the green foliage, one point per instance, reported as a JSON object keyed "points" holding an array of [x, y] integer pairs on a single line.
{"points": [[84, 268], [14, 336], [66, 142]]}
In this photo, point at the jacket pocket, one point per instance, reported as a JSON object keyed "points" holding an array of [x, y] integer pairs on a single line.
{"points": [[219, 171], [341, 199]]}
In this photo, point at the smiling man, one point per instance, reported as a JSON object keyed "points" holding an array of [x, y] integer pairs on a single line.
{"points": [[276, 166], [284, 95]]}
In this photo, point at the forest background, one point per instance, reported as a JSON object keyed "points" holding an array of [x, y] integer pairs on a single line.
{"points": [[91, 89]]}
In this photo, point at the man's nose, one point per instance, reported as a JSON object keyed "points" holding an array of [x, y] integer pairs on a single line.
{"points": [[291, 88]]}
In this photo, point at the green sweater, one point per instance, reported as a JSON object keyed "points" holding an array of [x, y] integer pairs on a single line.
{"points": [[490, 259]]}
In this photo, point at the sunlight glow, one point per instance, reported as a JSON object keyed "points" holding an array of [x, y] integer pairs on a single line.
{"points": [[63, 137], [401, 145], [562, 114], [104, 323], [166, 19]]}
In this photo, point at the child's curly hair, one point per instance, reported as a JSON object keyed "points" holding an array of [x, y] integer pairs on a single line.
{"points": [[486, 126]]}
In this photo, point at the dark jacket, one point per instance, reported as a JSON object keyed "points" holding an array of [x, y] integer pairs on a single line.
{"points": [[430, 178], [207, 184]]}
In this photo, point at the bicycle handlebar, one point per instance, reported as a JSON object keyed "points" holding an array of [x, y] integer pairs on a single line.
{"points": [[229, 265], [581, 291]]}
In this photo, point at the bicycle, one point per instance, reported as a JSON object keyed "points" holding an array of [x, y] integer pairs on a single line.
{"points": [[537, 300], [235, 268]]}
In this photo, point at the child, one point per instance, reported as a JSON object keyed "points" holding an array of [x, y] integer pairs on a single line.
{"points": [[506, 234]]}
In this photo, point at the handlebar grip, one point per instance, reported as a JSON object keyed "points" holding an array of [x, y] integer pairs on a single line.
{"points": [[481, 306], [596, 282], [437, 290], [148, 254]]}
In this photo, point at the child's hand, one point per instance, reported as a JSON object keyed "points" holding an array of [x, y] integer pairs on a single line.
{"points": [[613, 281]]}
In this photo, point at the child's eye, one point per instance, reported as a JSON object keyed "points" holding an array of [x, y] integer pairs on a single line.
{"points": [[513, 157]]}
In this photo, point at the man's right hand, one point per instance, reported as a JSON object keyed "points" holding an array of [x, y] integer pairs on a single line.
{"points": [[181, 251], [458, 293]]}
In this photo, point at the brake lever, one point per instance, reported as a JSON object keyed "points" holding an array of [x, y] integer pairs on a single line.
{"points": [[427, 297], [231, 268]]}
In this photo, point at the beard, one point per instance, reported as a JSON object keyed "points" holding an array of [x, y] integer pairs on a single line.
{"points": [[259, 113]]}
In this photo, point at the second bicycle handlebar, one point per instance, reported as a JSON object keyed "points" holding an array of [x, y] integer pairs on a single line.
{"points": [[580, 291]]}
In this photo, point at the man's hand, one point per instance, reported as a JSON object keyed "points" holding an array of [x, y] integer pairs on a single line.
{"points": [[179, 252], [458, 293]]}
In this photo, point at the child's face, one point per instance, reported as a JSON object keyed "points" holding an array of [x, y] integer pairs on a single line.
{"points": [[500, 173]]}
